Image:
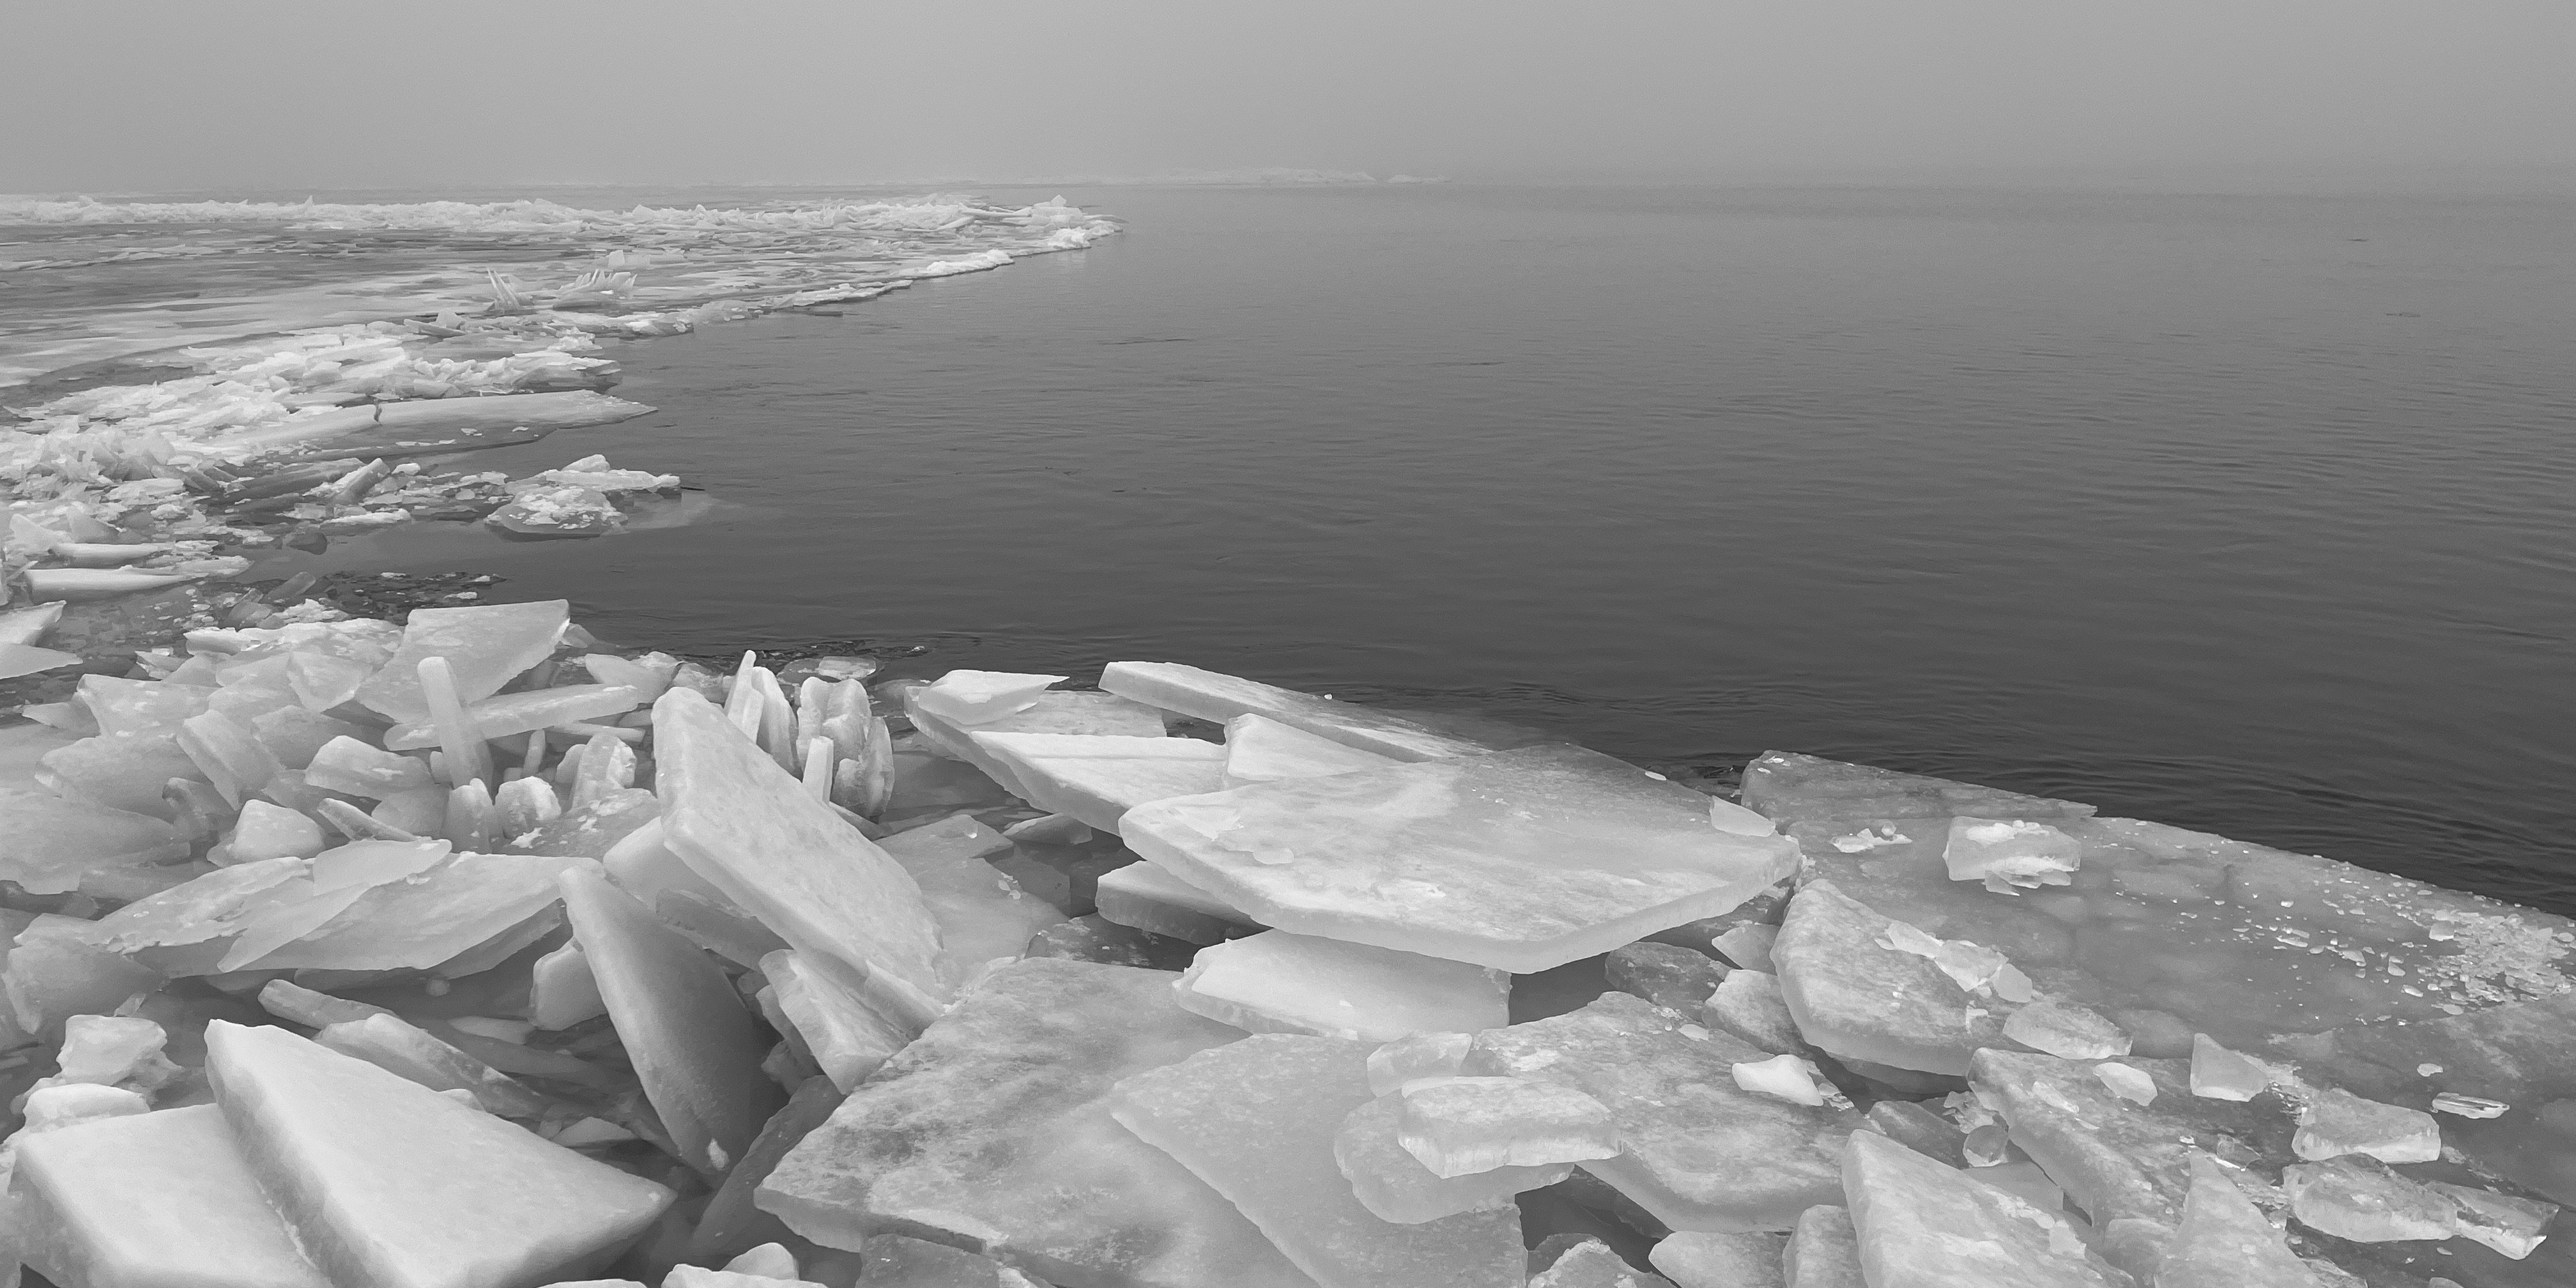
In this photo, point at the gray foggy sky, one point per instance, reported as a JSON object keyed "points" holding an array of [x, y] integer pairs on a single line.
{"points": [[159, 96]]}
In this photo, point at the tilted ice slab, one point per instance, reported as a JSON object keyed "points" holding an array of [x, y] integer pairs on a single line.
{"points": [[2224, 1240], [1257, 1120], [1209, 695], [1097, 778], [1276, 982], [1697, 1151], [1924, 1225], [1520, 860], [992, 1130], [485, 646], [153, 1201], [1259, 749], [1858, 997], [2169, 931], [1087, 714]]}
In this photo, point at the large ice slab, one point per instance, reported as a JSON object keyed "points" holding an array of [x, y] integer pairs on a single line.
{"points": [[485, 646], [1209, 695], [158, 1200], [1098, 778], [391, 1185], [1257, 1119], [1923, 1225], [1259, 749], [1276, 982], [752, 831], [992, 1130], [1697, 1151], [1520, 860], [1073, 713]]}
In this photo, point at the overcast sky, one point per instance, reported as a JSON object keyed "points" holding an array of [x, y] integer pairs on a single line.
{"points": [[103, 96]]}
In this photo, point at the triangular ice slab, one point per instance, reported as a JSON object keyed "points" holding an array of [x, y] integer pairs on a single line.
{"points": [[991, 1130], [1098, 778], [155, 1200], [391, 1185], [1520, 860], [753, 832], [2225, 1242], [485, 646], [1210, 695]]}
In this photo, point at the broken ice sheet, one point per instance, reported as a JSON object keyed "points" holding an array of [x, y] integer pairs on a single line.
{"points": [[1588, 1263], [1520, 860], [1395, 1186], [1701, 1259], [1211, 696], [1698, 1152], [1259, 749], [1923, 1225], [847, 1039], [2009, 854], [78, 1191], [2224, 1240], [976, 697], [991, 1130], [422, 921], [1460, 1125], [1098, 778], [984, 916], [510, 714], [1064, 713], [1276, 982], [2221, 937], [1860, 1000], [49, 842], [1147, 896], [1256, 1121], [485, 646]]}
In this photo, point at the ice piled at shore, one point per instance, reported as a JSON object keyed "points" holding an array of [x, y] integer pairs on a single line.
{"points": [[354, 987]]}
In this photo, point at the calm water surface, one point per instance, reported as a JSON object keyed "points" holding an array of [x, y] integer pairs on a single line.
{"points": [[2241, 513]]}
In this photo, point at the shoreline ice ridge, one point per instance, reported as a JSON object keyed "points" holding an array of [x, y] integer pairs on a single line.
{"points": [[608, 963]]}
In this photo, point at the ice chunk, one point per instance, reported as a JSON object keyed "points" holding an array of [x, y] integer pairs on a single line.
{"points": [[55, 973], [1520, 860], [1794, 789], [2220, 1074], [1748, 946], [49, 843], [28, 625], [1099, 778], [1147, 896], [1220, 698], [976, 697], [1823, 1252], [511, 714], [1664, 974], [1256, 1120], [352, 767], [1459, 1125], [847, 1040], [486, 646], [295, 735], [1259, 749], [2128, 1082], [1748, 1004], [562, 991], [2010, 854], [268, 831], [399, 1048], [2513, 1226], [984, 916], [1784, 1076], [1590, 1263], [2072, 1032], [1276, 982], [748, 828], [1861, 1000], [79, 1191], [124, 771], [1704, 1259], [2333, 1123], [894, 1261], [2357, 1197], [1699, 1152], [228, 753], [135, 706], [1922, 1225], [991, 1130], [731, 1223], [1919, 1129], [1422, 1055], [424, 920], [1095, 939], [1395, 1186], [389, 1183], [2225, 1242], [694, 1046]]}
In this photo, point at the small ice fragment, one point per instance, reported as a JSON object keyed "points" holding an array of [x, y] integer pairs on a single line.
{"points": [[1420, 1055], [2128, 1082], [354, 768], [1664, 974], [2509, 1225], [524, 803], [2068, 1032], [1987, 1146], [2220, 1074], [1748, 946], [2008, 853], [266, 831], [1727, 816], [1457, 1126], [1394, 1185], [1786, 1076], [976, 697], [1701, 1259], [2452, 1102], [1747, 1003], [2358, 1198], [2334, 1123]]}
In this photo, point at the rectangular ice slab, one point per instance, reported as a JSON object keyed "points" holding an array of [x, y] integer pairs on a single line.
{"points": [[391, 1185], [1209, 695], [485, 647], [159, 1200], [1394, 1185], [1923, 1225], [1087, 714], [1520, 860], [1697, 1151], [752, 831], [1257, 1119], [1098, 778], [1276, 982], [992, 1130], [2166, 929]]}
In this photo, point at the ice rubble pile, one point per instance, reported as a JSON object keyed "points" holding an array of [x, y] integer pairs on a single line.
{"points": [[467, 953]]}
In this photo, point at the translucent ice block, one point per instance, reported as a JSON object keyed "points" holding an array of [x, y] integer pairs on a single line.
{"points": [[991, 1131], [159, 1200], [486, 646], [1220, 698], [48, 842], [422, 921], [1088, 714], [354, 768], [1461, 1125], [1394, 1185], [511, 714], [1147, 896], [1859, 998], [133, 706], [975, 697], [984, 916], [388, 1183], [1698, 1152], [1276, 982], [2333, 1123], [1701, 1259], [1520, 860], [749, 828], [1259, 749], [1098, 778], [1256, 1121], [694, 1045], [123, 770], [847, 1039], [2358, 1198], [2225, 1242], [1823, 1252], [2008, 853], [1748, 1004], [1923, 1225]]}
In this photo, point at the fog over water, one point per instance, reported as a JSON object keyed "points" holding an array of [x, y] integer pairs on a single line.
{"points": [[164, 96]]}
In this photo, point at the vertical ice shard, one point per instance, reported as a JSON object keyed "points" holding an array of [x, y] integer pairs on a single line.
{"points": [[1697, 1151], [388, 1184], [1098, 778], [1520, 860], [1256, 1120], [159, 1200], [992, 1130], [1220, 698], [694, 1046], [485, 646], [1276, 982], [2225, 1242], [745, 825], [1922, 1225]]}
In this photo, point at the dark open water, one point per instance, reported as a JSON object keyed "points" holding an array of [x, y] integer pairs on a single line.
{"points": [[2246, 513]]}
